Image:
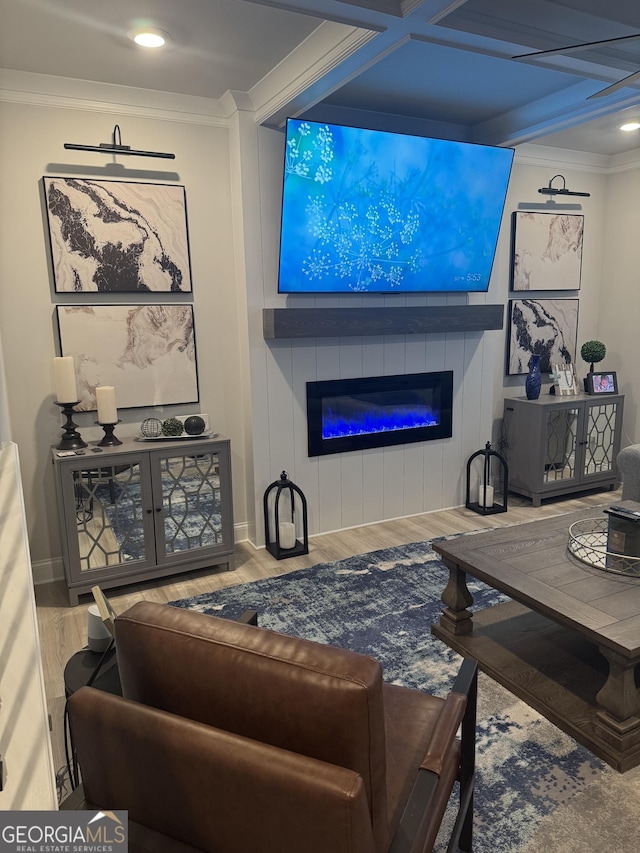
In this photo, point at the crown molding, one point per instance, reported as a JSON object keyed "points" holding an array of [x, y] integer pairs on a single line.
{"points": [[626, 161], [530, 154], [23, 87], [322, 52]]}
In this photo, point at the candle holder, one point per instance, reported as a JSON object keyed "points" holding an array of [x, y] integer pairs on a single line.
{"points": [[491, 472], [71, 440], [284, 543], [109, 439]]}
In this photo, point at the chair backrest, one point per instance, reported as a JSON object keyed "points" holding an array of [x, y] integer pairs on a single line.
{"points": [[312, 699], [210, 789]]}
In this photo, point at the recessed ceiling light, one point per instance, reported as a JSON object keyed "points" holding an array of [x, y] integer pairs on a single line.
{"points": [[149, 37], [630, 125]]}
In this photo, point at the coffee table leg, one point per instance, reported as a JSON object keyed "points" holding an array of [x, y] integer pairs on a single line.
{"points": [[455, 618], [619, 699]]}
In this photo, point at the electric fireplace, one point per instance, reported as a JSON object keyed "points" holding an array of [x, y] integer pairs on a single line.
{"points": [[377, 411]]}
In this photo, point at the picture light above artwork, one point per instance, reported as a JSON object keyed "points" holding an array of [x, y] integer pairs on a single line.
{"points": [[114, 147], [551, 190]]}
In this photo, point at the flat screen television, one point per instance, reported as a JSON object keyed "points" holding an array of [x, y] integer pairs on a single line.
{"points": [[369, 211]]}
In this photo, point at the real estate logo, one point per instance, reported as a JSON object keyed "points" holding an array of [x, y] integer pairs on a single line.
{"points": [[64, 832]]}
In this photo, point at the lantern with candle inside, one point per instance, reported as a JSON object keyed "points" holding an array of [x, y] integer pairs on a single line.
{"points": [[107, 414], [64, 377], [285, 518], [487, 481]]}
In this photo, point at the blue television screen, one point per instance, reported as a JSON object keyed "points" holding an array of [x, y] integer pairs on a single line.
{"points": [[368, 211]]}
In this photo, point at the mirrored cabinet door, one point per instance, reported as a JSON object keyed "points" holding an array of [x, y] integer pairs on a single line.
{"points": [[188, 491], [560, 445], [109, 526], [602, 443]]}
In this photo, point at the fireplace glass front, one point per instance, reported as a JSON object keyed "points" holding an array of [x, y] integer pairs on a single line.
{"points": [[377, 411]]}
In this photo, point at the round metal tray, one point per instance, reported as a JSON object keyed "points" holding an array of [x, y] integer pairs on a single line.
{"points": [[588, 543]]}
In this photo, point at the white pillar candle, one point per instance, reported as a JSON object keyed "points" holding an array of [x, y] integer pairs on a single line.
{"points": [[287, 534], [106, 400], [64, 373], [485, 496]]}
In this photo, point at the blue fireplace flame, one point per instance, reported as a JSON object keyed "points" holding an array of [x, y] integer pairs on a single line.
{"points": [[374, 419]]}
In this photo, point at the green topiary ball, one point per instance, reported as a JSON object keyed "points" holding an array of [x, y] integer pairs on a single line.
{"points": [[172, 426], [593, 351]]}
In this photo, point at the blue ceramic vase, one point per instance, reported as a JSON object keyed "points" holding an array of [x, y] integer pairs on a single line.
{"points": [[533, 382]]}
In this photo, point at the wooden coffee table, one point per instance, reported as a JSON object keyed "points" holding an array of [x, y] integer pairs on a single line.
{"points": [[567, 644]]}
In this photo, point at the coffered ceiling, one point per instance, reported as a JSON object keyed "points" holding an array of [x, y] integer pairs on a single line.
{"points": [[447, 61]]}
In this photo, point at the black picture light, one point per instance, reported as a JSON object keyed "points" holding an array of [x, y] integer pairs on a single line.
{"points": [[550, 190], [117, 148]]}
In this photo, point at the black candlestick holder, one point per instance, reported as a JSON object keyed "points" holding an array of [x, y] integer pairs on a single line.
{"points": [[71, 440], [109, 439]]}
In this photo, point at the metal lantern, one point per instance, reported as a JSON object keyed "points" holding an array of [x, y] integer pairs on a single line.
{"points": [[285, 518], [487, 470]]}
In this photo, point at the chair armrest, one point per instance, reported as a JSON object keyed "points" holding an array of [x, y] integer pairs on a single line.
{"points": [[417, 821], [444, 733]]}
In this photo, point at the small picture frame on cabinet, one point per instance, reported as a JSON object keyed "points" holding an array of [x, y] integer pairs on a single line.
{"points": [[602, 383], [564, 380]]}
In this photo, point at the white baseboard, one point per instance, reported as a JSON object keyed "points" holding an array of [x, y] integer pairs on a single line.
{"points": [[48, 571]]}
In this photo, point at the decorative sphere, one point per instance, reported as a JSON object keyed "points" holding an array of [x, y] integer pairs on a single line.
{"points": [[151, 427], [194, 425], [172, 426]]}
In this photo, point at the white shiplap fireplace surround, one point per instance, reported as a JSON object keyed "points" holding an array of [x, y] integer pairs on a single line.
{"points": [[364, 486]]}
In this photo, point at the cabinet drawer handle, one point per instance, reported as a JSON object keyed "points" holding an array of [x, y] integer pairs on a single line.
{"points": [[158, 509]]}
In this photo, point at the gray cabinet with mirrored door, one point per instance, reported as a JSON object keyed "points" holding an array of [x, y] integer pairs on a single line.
{"points": [[144, 510], [559, 445]]}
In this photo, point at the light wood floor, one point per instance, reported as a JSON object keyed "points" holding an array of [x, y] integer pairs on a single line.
{"points": [[63, 628]]}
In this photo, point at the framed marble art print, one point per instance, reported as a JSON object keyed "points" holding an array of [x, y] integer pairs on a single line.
{"points": [[546, 251], [117, 236], [544, 327], [147, 352]]}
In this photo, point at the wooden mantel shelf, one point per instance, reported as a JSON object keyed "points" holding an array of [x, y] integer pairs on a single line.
{"points": [[344, 322]]}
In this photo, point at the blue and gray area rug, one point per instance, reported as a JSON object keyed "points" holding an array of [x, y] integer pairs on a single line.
{"points": [[537, 789]]}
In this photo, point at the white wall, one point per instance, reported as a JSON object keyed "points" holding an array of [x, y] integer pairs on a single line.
{"points": [[619, 304], [24, 732], [254, 392], [32, 135]]}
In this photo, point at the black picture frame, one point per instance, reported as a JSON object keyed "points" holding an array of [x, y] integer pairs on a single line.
{"points": [[603, 382], [546, 251], [117, 236], [147, 352], [544, 327]]}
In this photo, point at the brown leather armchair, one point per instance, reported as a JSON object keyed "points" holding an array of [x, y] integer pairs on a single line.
{"points": [[233, 738]]}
